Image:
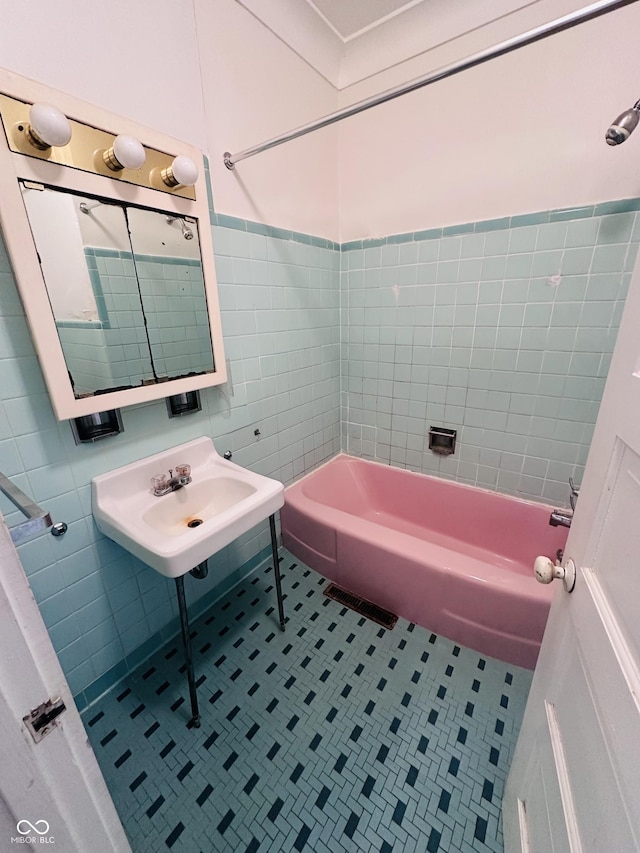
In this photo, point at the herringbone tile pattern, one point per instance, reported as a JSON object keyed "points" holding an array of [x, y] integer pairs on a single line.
{"points": [[335, 735]]}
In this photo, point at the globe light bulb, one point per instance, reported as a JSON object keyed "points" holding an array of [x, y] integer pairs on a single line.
{"points": [[182, 172], [47, 127], [125, 153]]}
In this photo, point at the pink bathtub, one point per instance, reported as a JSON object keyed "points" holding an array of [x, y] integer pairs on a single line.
{"points": [[452, 558]]}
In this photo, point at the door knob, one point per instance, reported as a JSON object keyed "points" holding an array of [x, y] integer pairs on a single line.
{"points": [[545, 570]]}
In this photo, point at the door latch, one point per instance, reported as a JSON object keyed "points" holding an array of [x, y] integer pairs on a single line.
{"points": [[41, 720]]}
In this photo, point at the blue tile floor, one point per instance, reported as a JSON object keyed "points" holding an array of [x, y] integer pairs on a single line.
{"points": [[334, 735]]}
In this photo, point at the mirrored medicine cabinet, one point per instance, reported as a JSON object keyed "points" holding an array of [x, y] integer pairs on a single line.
{"points": [[115, 266]]}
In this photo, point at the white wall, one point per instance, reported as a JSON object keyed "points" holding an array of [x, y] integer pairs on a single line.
{"points": [[520, 134], [58, 239], [257, 88], [144, 61], [135, 59]]}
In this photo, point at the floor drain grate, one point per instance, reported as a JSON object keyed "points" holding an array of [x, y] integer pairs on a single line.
{"points": [[361, 605]]}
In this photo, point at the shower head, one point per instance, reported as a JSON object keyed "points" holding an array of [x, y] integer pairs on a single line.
{"points": [[87, 208], [623, 126], [187, 233]]}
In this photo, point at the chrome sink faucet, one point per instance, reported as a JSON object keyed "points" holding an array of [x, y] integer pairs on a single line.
{"points": [[564, 517], [162, 485], [561, 518]]}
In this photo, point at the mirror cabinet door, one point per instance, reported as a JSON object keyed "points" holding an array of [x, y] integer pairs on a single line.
{"points": [[166, 251], [126, 289]]}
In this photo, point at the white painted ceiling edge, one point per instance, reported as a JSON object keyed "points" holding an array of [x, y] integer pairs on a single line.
{"points": [[349, 20], [304, 31], [409, 36]]}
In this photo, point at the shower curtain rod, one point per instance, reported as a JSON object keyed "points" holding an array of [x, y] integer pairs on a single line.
{"points": [[595, 10]]}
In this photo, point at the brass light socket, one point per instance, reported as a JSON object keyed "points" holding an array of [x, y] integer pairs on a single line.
{"points": [[35, 140], [168, 177], [111, 161]]}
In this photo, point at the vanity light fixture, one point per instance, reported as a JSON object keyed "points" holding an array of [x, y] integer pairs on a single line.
{"points": [[47, 127], [182, 172], [125, 153]]}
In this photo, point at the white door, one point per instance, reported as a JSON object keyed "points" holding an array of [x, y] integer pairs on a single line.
{"points": [[50, 792], [574, 783]]}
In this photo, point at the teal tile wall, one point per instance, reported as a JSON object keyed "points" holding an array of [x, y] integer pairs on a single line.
{"points": [[175, 306], [171, 290], [124, 330], [105, 610], [280, 303], [85, 353], [502, 330], [120, 325]]}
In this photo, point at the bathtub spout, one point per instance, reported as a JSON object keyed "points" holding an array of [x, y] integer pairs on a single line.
{"points": [[561, 518]]}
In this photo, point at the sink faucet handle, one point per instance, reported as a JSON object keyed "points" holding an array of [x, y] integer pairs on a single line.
{"points": [[183, 474], [159, 483]]}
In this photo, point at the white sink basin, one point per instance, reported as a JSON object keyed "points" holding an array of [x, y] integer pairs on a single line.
{"points": [[177, 531]]}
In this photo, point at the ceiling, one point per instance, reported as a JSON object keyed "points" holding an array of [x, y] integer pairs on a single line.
{"points": [[350, 19], [351, 41]]}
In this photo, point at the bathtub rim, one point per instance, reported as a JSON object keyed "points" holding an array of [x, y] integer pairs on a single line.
{"points": [[435, 477]]}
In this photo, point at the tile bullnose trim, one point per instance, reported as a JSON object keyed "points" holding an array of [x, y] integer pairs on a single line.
{"points": [[560, 214], [222, 220]]}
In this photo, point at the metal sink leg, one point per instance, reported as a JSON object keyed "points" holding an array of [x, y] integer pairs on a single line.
{"points": [[186, 641], [276, 569]]}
